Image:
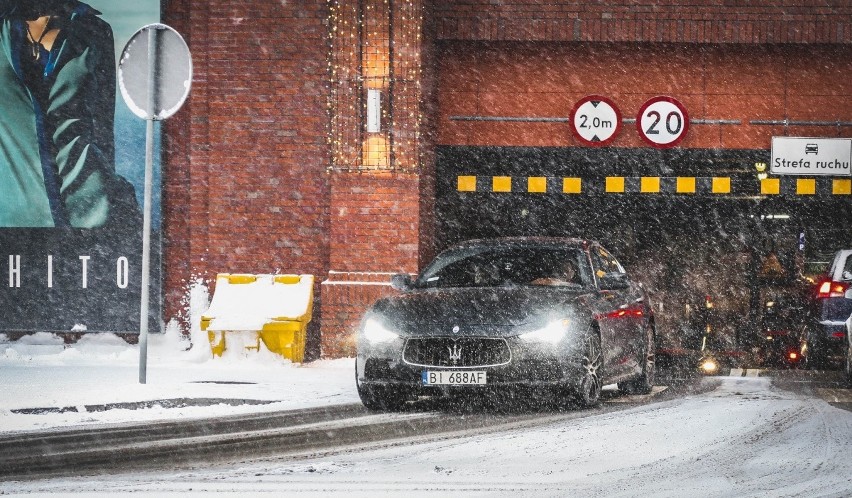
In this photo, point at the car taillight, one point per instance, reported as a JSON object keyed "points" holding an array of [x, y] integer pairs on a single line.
{"points": [[831, 289], [624, 312]]}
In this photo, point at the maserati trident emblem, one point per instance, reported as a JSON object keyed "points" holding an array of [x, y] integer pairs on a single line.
{"points": [[455, 329], [455, 353]]}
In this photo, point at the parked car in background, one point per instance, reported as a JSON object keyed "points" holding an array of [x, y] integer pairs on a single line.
{"points": [[826, 333], [496, 314]]}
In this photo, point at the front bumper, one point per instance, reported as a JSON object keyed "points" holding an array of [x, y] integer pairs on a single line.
{"points": [[530, 365]]}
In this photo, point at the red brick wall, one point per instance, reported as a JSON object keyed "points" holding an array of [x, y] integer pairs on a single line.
{"points": [[733, 82], [699, 21], [246, 188], [374, 222], [185, 147]]}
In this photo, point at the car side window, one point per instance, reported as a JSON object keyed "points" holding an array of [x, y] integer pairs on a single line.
{"points": [[604, 263], [847, 269]]}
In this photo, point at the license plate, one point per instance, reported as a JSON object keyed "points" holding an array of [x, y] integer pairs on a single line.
{"points": [[452, 378]]}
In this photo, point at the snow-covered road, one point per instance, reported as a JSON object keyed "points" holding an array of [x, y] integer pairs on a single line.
{"points": [[745, 438]]}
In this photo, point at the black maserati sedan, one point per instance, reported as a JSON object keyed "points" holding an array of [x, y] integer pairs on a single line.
{"points": [[490, 315]]}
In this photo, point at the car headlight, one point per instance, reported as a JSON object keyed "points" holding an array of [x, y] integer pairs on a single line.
{"points": [[709, 366], [552, 333], [376, 332]]}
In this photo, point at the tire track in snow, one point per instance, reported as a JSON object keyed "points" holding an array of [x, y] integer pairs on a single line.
{"points": [[764, 460]]}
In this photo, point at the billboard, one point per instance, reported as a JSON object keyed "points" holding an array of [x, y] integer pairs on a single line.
{"points": [[72, 162]]}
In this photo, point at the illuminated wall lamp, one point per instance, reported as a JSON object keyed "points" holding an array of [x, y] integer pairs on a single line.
{"points": [[761, 171], [374, 110]]}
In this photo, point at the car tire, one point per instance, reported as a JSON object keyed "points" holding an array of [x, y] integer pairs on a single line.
{"points": [[849, 365], [644, 383], [587, 392]]}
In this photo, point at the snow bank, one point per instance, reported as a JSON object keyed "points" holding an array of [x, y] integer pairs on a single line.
{"points": [[70, 384]]}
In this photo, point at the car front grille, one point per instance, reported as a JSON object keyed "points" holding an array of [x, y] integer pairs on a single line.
{"points": [[456, 352]]}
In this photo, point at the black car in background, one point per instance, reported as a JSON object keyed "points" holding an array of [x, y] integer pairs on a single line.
{"points": [[825, 333], [495, 314], [779, 343]]}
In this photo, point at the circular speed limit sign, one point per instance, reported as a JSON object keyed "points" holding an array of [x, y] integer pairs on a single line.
{"points": [[662, 122], [595, 120]]}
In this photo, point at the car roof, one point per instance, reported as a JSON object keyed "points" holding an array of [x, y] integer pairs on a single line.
{"points": [[523, 242]]}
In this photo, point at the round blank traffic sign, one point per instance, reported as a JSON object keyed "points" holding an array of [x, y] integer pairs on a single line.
{"points": [[595, 120], [155, 72], [662, 122]]}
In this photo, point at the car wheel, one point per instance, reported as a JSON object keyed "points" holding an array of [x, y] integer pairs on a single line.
{"points": [[849, 364], [588, 391], [645, 382]]}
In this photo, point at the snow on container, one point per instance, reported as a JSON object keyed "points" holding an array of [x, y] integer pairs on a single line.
{"points": [[252, 309]]}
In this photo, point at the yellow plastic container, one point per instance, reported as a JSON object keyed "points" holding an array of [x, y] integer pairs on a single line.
{"points": [[276, 308]]}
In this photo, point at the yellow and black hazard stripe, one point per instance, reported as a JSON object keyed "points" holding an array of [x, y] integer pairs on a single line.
{"points": [[686, 185]]}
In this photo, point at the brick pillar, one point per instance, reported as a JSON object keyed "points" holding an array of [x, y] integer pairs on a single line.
{"points": [[345, 296], [375, 209], [375, 225]]}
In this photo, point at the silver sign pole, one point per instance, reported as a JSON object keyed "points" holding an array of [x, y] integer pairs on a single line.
{"points": [[153, 76]]}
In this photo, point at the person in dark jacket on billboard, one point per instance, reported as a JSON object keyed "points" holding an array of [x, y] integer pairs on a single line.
{"points": [[57, 106]]}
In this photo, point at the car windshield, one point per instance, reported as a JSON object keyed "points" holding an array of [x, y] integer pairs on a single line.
{"points": [[507, 266]]}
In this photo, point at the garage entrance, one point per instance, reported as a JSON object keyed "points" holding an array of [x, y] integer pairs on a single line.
{"points": [[697, 226]]}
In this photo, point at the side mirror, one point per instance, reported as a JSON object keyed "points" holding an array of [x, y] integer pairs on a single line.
{"points": [[847, 275], [401, 282], [613, 281]]}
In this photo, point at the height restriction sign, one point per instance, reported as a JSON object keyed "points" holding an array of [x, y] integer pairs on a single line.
{"points": [[595, 120], [662, 122]]}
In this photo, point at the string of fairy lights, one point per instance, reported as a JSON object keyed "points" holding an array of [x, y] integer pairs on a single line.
{"points": [[375, 44]]}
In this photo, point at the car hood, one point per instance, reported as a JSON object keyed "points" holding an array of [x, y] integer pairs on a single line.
{"points": [[478, 311]]}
